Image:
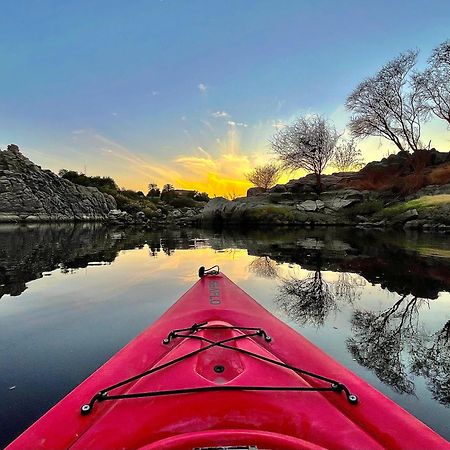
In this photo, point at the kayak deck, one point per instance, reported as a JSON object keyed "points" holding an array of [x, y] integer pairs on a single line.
{"points": [[218, 369]]}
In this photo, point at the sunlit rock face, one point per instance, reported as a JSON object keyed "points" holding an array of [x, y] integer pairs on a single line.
{"points": [[31, 194]]}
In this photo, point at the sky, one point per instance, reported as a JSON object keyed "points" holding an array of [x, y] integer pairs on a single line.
{"points": [[189, 92]]}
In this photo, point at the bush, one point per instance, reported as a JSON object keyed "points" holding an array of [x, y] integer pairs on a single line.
{"points": [[368, 207], [201, 197], [182, 202], [148, 212], [134, 203], [101, 183]]}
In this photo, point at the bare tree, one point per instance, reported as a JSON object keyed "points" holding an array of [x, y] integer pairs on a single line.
{"points": [[434, 82], [264, 176], [390, 105], [307, 300], [347, 157], [308, 144], [264, 267]]}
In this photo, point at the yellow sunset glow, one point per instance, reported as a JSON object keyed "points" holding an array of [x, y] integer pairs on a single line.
{"points": [[218, 170]]}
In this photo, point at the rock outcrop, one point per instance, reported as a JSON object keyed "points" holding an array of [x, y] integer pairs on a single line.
{"points": [[30, 194]]}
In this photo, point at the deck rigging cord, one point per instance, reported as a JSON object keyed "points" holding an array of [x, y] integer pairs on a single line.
{"points": [[191, 333]]}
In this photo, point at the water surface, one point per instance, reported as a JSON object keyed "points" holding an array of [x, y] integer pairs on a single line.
{"points": [[72, 296]]}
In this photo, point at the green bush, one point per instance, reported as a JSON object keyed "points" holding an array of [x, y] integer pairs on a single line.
{"points": [[269, 213], [366, 208], [134, 205], [148, 212], [182, 202]]}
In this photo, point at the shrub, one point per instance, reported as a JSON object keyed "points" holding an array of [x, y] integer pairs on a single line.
{"points": [[182, 202], [368, 207]]}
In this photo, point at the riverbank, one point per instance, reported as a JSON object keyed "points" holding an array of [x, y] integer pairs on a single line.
{"points": [[403, 191]]}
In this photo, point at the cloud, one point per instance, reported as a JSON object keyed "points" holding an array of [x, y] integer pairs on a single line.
{"points": [[218, 114], [207, 124], [202, 87], [237, 124]]}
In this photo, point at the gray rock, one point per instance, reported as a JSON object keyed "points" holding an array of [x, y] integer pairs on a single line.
{"points": [[141, 217], [338, 203], [404, 217], [415, 224], [30, 194], [308, 205], [278, 188], [255, 191]]}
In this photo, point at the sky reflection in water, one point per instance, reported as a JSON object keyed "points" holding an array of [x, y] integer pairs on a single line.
{"points": [[81, 293]]}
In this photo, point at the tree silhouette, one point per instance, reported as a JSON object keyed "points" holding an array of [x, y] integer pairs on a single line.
{"points": [[312, 299], [308, 300], [308, 144], [431, 359], [381, 338], [265, 176], [389, 104], [434, 83], [264, 267]]}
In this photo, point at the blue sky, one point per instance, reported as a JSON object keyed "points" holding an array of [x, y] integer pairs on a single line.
{"points": [[190, 91]]}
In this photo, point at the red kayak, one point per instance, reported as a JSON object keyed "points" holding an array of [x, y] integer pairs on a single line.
{"points": [[218, 370]]}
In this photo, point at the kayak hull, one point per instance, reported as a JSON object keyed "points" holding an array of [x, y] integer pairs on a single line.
{"points": [[271, 419]]}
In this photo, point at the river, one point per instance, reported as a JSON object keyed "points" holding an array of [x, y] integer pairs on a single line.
{"points": [[73, 295]]}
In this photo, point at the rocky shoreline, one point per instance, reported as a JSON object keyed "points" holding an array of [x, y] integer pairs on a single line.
{"points": [[29, 193], [391, 193]]}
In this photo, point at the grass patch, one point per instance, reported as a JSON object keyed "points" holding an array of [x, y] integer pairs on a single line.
{"points": [[427, 201]]}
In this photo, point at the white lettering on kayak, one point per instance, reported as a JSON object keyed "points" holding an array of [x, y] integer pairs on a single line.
{"points": [[214, 293]]}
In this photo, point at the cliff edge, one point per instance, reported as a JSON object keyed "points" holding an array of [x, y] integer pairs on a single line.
{"points": [[29, 193]]}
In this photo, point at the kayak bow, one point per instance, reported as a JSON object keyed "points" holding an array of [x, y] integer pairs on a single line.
{"points": [[217, 369]]}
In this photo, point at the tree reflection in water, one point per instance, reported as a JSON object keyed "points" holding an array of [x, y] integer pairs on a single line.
{"points": [[381, 338], [264, 267], [312, 299], [431, 359], [307, 300], [388, 342]]}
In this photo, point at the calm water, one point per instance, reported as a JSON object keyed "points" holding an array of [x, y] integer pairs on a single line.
{"points": [[71, 296]]}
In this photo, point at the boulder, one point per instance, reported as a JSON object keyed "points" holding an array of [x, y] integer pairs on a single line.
{"points": [[31, 194], [308, 205], [255, 191], [404, 217], [278, 188]]}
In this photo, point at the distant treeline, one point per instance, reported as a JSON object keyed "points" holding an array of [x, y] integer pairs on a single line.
{"points": [[135, 201]]}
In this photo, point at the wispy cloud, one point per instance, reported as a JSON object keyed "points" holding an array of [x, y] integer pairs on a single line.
{"points": [[232, 123], [220, 114], [202, 87]]}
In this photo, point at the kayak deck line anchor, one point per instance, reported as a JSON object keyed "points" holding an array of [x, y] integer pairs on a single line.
{"points": [[196, 327], [214, 270], [191, 333]]}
